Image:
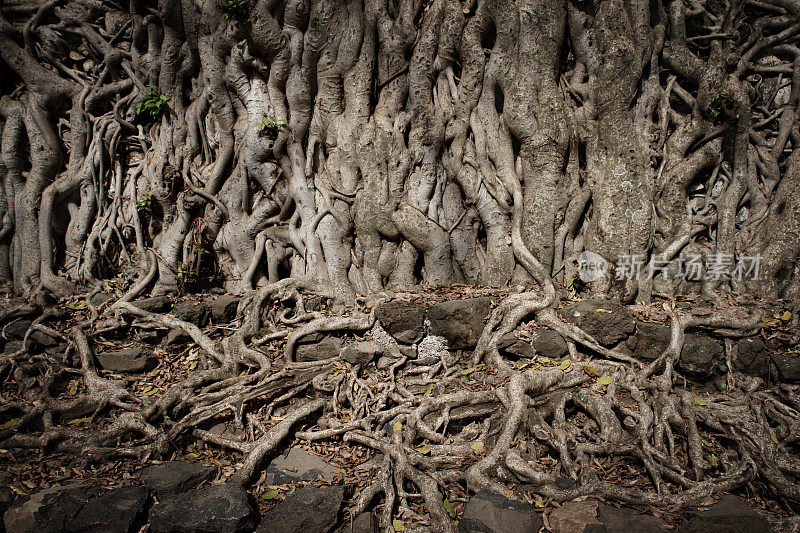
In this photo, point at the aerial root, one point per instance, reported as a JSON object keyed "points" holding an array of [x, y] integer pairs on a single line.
{"points": [[272, 439]]}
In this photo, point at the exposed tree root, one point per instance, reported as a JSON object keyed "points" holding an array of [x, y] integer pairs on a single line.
{"points": [[516, 431]]}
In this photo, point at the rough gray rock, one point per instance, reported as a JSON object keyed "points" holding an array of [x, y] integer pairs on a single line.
{"points": [[650, 340], [361, 353], [195, 312], [317, 351], [174, 477], [154, 304], [49, 510], [751, 357], [701, 354], [176, 336], [223, 308], [12, 346], [510, 344], [6, 497], [307, 509], [223, 508], [729, 515], [608, 322], [489, 512], [459, 321], [788, 367], [296, 464], [58, 352], [117, 511], [315, 303], [625, 520], [132, 359], [40, 341], [385, 361], [576, 517], [148, 336], [363, 523], [549, 343], [402, 320], [17, 328]]}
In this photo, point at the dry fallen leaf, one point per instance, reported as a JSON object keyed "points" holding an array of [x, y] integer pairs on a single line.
{"points": [[11, 423], [472, 369], [18, 490]]}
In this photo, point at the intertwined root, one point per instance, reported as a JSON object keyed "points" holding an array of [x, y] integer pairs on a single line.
{"points": [[538, 429]]}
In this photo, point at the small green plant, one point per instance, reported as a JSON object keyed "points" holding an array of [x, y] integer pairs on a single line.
{"points": [[145, 203], [269, 127], [183, 275], [235, 9], [721, 103], [200, 249], [152, 104]]}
